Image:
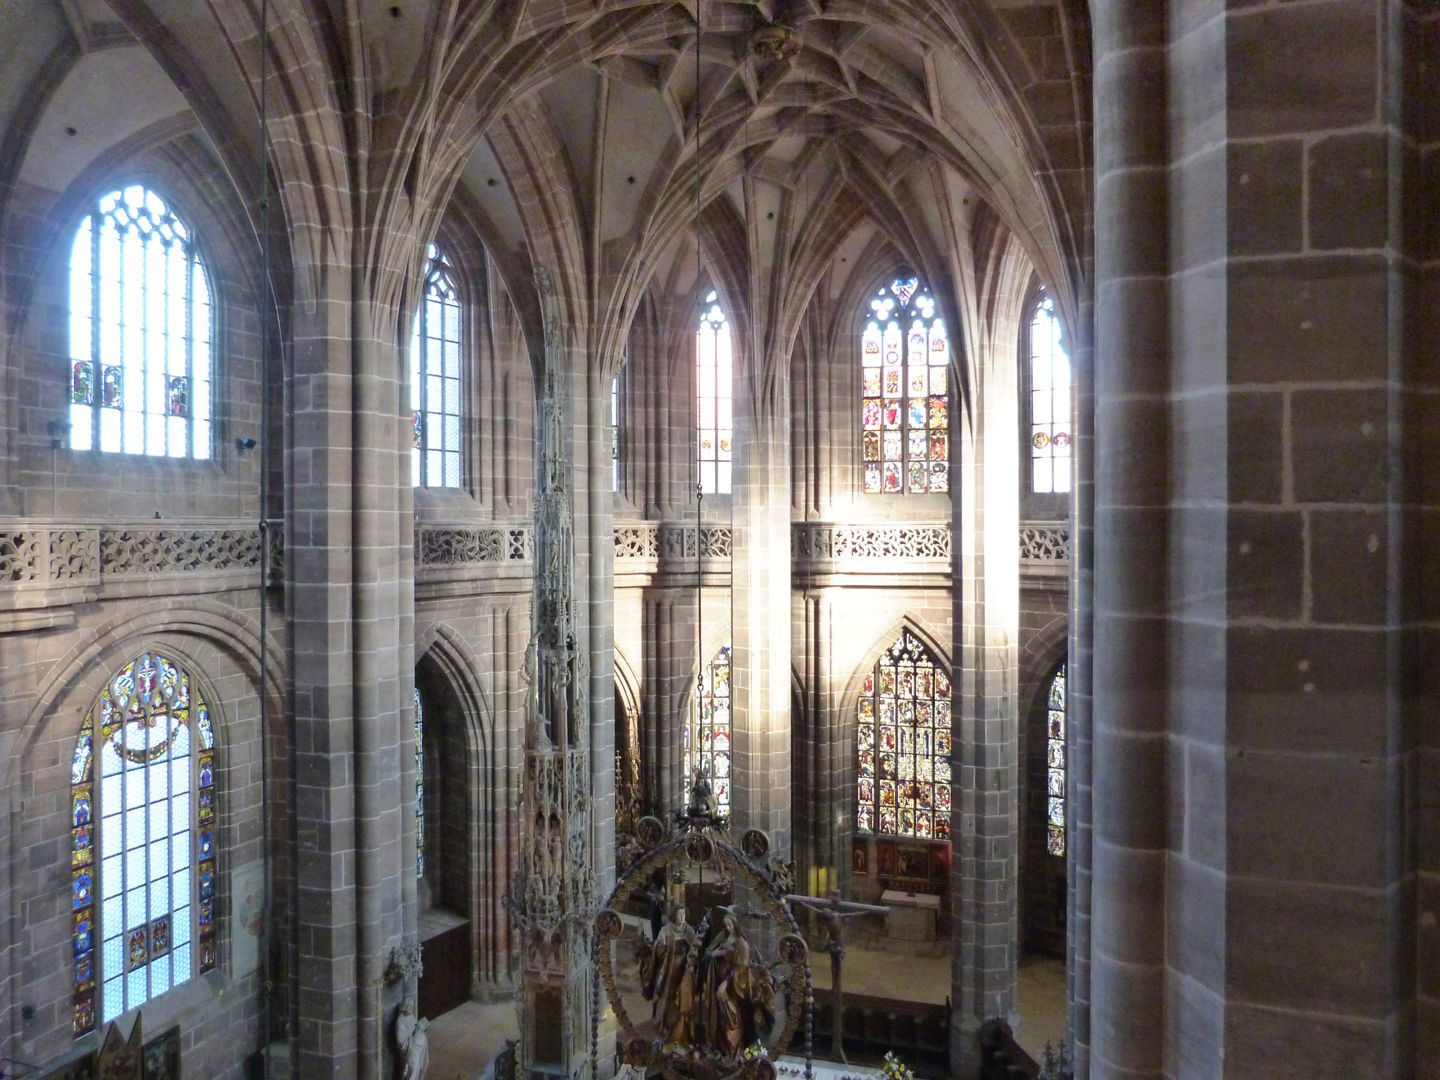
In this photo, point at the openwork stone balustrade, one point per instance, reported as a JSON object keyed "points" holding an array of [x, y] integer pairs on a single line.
{"points": [[47, 556]]}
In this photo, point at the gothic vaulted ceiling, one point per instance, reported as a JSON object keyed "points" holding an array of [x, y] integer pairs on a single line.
{"points": [[589, 135]]}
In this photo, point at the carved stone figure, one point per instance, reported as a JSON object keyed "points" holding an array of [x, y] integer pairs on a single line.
{"points": [[412, 1041]]}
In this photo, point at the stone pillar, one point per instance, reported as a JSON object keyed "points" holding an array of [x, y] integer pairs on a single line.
{"points": [[599, 560], [347, 532], [668, 680], [823, 762], [985, 594], [1079, 668], [1128, 650], [760, 715], [1423, 638], [1259, 458]]}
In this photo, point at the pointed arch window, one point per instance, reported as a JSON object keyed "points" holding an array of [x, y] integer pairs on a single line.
{"points": [[419, 783], [435, 380], [713, 404], [1055, 764], [615, 433], [141, 331], [629, 786], [905, 400], [707, 739], [144, 823], [903, 744], [1049, 401]]}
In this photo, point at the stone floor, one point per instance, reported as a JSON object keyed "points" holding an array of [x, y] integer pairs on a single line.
{"points": [[463, 1042]]}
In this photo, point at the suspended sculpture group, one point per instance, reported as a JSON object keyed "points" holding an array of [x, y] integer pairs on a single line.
{"points": [[710, 991], [714, 995]]}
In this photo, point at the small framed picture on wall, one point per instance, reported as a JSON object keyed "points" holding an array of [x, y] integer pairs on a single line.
{"points": [[859, 857], [913, 861], [885, 857], [162, 1056]]}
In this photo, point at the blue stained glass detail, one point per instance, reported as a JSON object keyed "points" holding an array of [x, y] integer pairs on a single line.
{"points": [[147, 809]]}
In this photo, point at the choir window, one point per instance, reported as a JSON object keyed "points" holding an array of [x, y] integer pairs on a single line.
{"points": [[904, 393], [903, 744], [707, 739]]}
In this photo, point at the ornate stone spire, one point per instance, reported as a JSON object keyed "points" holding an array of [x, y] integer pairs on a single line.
{"points": [[553, 902]]}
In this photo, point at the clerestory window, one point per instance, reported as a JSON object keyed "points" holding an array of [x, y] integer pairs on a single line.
{"points": [[436, 405], [904, 393], [141, 331]]}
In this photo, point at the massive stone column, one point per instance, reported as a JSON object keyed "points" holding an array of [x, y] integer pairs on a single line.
{"points": [[1258, 536], [761, 631], [1127, 617], [985, 596], [347, 533]]}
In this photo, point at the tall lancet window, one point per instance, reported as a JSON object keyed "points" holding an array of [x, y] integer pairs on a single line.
{"points": [[707, 739], [904, 388], [141, 331], [1049, 401], [1055, 764], [712, 398], [435, 382], [419, 784], [615, 433], [144, 825], [903, 744]]}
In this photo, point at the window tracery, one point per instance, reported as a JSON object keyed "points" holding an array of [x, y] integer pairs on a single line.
{"points": [[713, 404], [144, 823], [903, 744], [435, 381], [141, 331], [905, 403], [1049, 401]]}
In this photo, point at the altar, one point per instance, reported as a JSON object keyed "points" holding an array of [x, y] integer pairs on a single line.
{"points": [[913, 916]]}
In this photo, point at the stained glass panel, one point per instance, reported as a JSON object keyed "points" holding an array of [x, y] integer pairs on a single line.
{"points": [[1049, 401], [713, 405], [419, 784], [1055, 760], [905, 357], [903, 745], [707, 744], [436, 402], [151, 830], [140, 332]]}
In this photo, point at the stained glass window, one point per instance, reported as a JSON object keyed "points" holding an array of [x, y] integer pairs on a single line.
{"points": [[1055, 764], [707, 739], [419, 785], [143, 822], [1049, 401], [435, 385], [903, 745], [141, 353], [904, 393], [713, 402]]}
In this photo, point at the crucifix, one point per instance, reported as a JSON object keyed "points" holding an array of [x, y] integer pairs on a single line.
{"points": [[833, 912]]}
